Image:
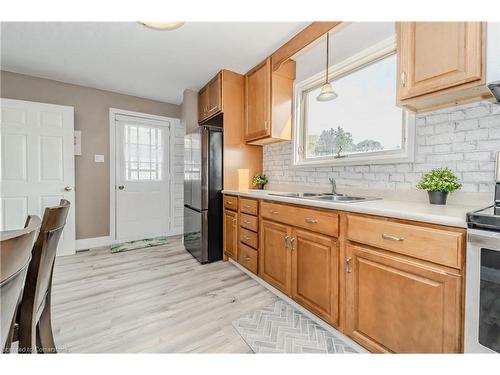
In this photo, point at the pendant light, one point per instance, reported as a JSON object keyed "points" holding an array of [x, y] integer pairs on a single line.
{"points": [[327, 92], [163, 25]]}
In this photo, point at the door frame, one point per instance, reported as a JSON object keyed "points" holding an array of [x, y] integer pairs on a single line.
{"points": [[112, 165]]}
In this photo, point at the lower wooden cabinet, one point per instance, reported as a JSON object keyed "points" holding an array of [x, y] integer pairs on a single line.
{"points": [[275, 255], [230, 237], [400, 305], [315, 273]]}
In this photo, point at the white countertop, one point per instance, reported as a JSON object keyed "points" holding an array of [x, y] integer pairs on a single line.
{"points": [[451, 215]]}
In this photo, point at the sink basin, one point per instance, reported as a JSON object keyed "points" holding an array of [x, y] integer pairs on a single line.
{"points": [[297, 195], [341, 198]]}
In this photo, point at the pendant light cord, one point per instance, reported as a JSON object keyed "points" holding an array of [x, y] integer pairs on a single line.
{"points": [[327, 53]]}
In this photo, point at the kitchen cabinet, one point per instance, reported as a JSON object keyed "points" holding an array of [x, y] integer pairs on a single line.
{"points": [[315, 273], [230, 234], [439, 63], [210, 99], [275, 256], [268, 103], [395, 304]]}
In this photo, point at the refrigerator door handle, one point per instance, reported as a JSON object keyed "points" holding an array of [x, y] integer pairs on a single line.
{"points": [[205, 134]]}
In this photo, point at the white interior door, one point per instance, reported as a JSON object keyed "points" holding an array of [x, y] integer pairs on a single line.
{"points": [[37, 164], [142, 178]]}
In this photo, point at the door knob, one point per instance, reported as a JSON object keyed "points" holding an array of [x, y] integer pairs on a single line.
{"points": [[121, 187], [68, 188]]}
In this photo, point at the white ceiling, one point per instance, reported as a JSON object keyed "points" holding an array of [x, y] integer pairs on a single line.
{"points": [[129, 58]]}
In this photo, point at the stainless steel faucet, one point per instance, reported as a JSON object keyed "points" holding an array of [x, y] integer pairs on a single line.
{"points": [[334, 186]]}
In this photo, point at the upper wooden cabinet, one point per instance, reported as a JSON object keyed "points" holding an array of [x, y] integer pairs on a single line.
{"points": [[440, 63], [210, 99], [268, 103]]}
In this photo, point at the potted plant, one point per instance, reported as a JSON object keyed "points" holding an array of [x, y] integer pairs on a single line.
{"points": [[260, 180], [438, 183]]}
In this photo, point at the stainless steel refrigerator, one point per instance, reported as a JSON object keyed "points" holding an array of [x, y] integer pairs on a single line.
{"points": [[202, 193]]}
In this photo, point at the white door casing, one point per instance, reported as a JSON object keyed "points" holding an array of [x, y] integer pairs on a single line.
{"points": [[143, 191], [37, 164]]}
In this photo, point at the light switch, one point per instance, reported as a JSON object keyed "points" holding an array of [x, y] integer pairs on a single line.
{"points": [[99, 158]]}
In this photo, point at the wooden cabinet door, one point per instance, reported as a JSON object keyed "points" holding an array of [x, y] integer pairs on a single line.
{"points": [[399, 305], [434, 56], [203, 103], [230, 237], [258, 102], [215, 95], [315, 273], [274, 255]]}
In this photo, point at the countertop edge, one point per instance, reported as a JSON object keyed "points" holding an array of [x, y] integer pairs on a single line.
{"points": [[359, 207]]}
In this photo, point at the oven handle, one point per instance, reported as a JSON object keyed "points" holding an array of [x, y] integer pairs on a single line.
{"points": [[482, 238]]}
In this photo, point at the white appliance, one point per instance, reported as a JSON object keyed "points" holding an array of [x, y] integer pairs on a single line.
{"points": [[482, 294]]}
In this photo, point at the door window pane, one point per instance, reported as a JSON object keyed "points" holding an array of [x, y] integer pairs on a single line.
{"points": [[143, 153]]}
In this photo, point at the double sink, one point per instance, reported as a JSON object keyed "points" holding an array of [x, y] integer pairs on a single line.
{"points": [[325, 197]]}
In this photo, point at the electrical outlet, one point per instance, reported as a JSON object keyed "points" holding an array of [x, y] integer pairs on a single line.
{"points": [[98, 158]]}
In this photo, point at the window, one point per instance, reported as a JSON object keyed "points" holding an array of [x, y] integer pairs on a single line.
{"points": [[363, 124], [143, 153]]}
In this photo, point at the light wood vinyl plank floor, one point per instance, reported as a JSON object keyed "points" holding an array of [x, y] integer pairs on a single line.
{"points": [[153, 300]]}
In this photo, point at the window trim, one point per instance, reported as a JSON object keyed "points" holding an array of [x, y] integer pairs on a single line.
{"points": [[406, 154]]}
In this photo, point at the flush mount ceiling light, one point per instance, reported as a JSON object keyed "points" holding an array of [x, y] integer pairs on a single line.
{"points": [[163, 25], [327, 92]]}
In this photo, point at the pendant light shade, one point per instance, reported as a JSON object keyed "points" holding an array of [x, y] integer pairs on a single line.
{"points": [[163, 25], [327, 92]]}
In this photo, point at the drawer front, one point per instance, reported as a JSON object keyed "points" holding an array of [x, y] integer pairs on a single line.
{"points": [[435, 245], [249, 206], [247, 257], [249, 238], [249, 222], [307, 218], [231, 202]]}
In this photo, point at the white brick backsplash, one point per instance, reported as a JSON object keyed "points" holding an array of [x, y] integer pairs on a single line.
{"points": [[463, 138]]}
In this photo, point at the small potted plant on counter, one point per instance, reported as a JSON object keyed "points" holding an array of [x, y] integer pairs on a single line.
{"points": [[260, 180], [438, 183]]}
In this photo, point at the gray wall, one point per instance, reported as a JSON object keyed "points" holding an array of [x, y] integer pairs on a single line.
{"points": [[92, 118], [464, 138]]}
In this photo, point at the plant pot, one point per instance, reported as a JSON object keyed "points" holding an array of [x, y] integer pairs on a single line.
{"points": [[260, 187], [437, 197]]}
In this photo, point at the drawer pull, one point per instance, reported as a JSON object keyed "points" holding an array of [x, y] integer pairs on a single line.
{"points": [[392, 238], [247, 257], [247, 206], [311, 221], [274, 212], [348, 264], [229, 202], [246, 222], [246, 238]]}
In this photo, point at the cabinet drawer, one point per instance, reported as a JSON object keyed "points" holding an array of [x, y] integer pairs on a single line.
{"points": [[249, 206], [314, 220], [249, 238], [248, 257], [249, 222], [231, 202], [432, 244]]}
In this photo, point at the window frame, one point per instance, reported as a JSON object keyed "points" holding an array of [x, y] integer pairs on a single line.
{"points": [[377, 52]]}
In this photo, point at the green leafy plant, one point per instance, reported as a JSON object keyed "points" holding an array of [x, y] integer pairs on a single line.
{"points": [[260, 180], [440, 179]]}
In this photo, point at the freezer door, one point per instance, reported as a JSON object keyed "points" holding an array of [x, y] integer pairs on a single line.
{"points": [[195, 233], [196, 170]]}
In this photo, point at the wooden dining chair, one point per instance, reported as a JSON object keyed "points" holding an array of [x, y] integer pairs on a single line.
{"points": [[15, 255], [34, 317]]}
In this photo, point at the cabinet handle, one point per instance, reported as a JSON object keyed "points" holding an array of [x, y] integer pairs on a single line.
{"points": [[292, 243], [246, 222], [286, 241], [246, 237], [266, 126], [274, 212], [234, 222], [403, 79], [247, 257], [229, 202], [348, 264], [311, 220], [246, 206], [392, 238]]}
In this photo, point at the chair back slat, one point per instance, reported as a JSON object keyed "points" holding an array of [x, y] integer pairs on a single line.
{"points": [[15, 255]]}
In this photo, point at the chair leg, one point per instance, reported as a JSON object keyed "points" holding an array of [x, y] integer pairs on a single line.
{"points": [[45, 337], [27, 336], [8, 344]]}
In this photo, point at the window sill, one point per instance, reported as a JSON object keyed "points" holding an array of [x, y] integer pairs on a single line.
{"points": [[356, 161]]}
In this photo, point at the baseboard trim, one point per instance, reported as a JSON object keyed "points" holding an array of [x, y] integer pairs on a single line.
{"points": [[89, 243], [306, 312]]}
